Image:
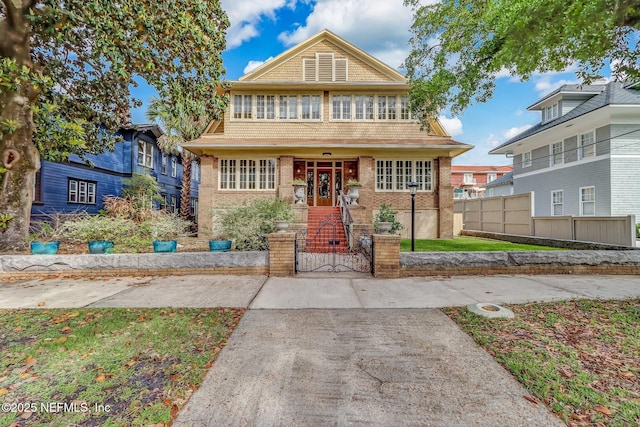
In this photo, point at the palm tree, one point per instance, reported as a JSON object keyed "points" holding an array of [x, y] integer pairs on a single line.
{"points": [[182, 122]]}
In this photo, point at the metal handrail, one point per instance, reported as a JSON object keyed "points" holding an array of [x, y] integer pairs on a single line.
{"points": [[347, 219]]}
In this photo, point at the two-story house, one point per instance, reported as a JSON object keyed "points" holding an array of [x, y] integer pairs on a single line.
{"points": [[470, 181], [75, 186], [326, 112], [583, 158]]}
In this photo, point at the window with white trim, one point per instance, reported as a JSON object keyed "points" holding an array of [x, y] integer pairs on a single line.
{"points": [[405, 113], [551, 112], [526, 159], [265, 107], [586, 145], [173, 203], [341, 107], [288, 107], [247, 174], [80, 191], [165, 161], [557, 153], [387, 107], [588, 201], [145, 154], [195, 171], [557, 202], [193, 208], [310, 107], [364, 107], [174, 167], [394, 175], [491, 177], [467, 178], [242, 105]]}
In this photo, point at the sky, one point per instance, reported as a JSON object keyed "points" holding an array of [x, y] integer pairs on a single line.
{"points": [[262, 29]]}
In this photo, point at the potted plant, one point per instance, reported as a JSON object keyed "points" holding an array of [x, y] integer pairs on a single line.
{"points": [[164, 231], [282, 226], [354, 191], [385, 221], [220, 243], [300, 190], [44, 241]]}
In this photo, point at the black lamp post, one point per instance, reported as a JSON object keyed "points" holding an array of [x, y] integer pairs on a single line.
{"points": [[413, 187]]}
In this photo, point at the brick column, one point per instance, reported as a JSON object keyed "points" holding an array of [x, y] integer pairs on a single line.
{"points": [[206, 193], [445, 199], [282, 254], [386, 256], [367, 177], [285, 189]]}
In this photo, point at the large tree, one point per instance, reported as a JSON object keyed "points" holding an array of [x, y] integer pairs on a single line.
{"points": [[66, 70], [183, 120], [459, 47]]}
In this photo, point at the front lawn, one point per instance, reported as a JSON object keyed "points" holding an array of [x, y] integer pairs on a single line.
{"points": [[467, 244], [581, 358], [105, 367]]}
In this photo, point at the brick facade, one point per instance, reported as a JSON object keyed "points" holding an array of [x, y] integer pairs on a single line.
{"points": [[386, 256], [282, 255]]}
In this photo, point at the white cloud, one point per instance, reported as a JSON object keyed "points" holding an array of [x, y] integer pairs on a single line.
{"points": [[518, 112], [544, 85], [504, 135], [453, 126], [252, 65], [245, 15], [380, 27]]}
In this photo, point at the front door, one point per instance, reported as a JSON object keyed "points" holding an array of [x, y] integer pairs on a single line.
{"points": [[324, 186]]}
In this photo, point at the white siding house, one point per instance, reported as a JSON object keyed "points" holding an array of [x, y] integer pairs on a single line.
{"points": [[583, 158]]}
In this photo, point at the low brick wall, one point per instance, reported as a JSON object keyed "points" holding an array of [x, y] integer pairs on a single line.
{"points": [[519, 262], [179, 263]]}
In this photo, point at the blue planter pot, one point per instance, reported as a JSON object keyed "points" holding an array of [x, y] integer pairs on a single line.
{"points": [[219, 245], [44, 248], [101, 247], [165, 245]]}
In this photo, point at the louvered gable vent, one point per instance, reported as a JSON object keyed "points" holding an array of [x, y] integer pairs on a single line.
{"points": [[324, 68]]}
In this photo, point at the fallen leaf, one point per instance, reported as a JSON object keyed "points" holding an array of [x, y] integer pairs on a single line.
{"points": [[3, 391], [17, 329], [101, 378], [541, 316], [531, 399], [603, 410], [41, 304], [65, 330], [61, 339], [26, 415], [30, 361], [627, 374]]}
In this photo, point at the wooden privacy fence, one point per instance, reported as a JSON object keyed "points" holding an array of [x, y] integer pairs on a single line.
{"points": [[512, 215]]}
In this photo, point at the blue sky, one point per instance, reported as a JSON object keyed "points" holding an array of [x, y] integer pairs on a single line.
{"points": [[262, 29]]}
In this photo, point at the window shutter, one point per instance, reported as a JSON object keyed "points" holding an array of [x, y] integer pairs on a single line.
{"points": [[341, 69], [325, 67], [309, 70]]}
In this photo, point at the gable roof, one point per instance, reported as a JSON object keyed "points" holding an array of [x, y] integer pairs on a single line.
{"points": [[324, 35], [614, 93]]}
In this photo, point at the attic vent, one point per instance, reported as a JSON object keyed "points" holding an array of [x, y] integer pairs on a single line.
{"points": [[324, 68]]}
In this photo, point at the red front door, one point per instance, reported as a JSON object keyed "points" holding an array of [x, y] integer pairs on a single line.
{"points": [[324, 186]]}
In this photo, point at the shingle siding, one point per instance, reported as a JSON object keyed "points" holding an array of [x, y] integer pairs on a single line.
{"points": [[625, 139]]}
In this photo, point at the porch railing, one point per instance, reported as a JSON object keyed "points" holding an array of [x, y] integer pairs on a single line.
{"points": [[347, 219]]}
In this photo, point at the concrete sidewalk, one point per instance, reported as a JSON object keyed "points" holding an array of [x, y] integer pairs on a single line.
{"points": [[341, 349]]}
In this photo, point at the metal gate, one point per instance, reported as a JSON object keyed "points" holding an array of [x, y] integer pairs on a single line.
{"points": [[332, 247]]}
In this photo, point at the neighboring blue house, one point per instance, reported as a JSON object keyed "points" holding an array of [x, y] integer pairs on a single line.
{"points": [[73, 186]]}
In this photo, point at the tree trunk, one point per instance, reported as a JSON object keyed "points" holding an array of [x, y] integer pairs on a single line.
{"points": [[18, 153], [185, 191]]}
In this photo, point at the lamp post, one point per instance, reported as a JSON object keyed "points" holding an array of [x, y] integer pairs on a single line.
{"points": [[413, 187]]}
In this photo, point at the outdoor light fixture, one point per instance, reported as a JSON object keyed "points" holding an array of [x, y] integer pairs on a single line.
{"points": [[413, 187]]}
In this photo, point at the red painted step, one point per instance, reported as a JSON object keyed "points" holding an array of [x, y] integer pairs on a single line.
{"points": [[327, 238]]}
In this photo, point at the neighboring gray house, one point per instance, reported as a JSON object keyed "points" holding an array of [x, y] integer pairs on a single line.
{"points": [[502, 186], [583, 158]]}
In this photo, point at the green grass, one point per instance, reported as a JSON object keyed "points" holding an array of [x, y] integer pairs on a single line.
{"points": [[467, 244], [581, 358], [105, 366]]}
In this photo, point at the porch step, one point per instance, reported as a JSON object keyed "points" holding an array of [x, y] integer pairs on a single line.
{"points": [[328, 238]]}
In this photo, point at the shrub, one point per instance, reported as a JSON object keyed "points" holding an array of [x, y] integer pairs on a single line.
{"points": [[250, 224], [638, 230], [386, 214]]}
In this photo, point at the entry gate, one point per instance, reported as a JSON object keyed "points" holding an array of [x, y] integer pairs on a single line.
{"points": [[331, 247]]}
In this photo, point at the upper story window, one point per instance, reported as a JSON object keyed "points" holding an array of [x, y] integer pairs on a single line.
{"points": [[491, 177], [288, 107], [386, 107], [526, 159], [586, 145], [310, 107], [165, 162], [242, 106], [551, 112], [145, 154], [467, 178], [174, 167], [405, 113], [364, 107], [341, 105], [195, 171], [557, 154], [265, 107]]}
